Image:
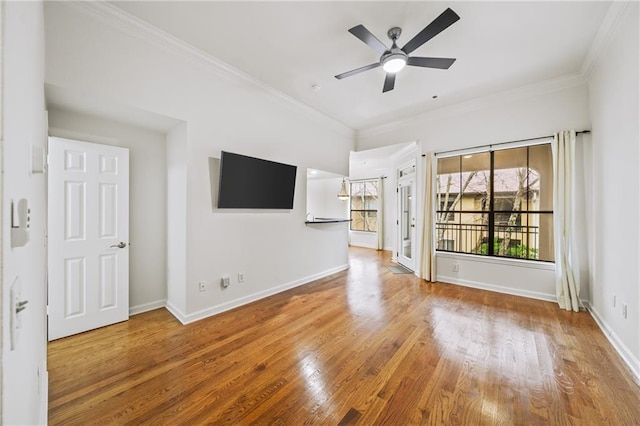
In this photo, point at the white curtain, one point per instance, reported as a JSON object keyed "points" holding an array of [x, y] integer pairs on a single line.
{"points": [[566, 255], [428, 264], [380, 214]]}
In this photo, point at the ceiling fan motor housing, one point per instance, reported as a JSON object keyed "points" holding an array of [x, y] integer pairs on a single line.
{"points": [[394, 33]]}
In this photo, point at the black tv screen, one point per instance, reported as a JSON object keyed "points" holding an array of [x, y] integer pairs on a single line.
{"points": [[253, 183]]}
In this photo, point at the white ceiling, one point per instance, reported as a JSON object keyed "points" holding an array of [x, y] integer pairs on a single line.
{"points": [[291, 46]]}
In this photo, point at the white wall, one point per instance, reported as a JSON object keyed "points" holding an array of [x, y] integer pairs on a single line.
{"points": [[615, 180], [24, 376], [147, 193], [479, 123], [275, 250], [177, 219], [322, 198]]}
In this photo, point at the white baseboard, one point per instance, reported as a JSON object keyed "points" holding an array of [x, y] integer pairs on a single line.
{"points": [[497, 288], [180, 316], [204, 313], [145, 307], [364, 245], [627, 356]]}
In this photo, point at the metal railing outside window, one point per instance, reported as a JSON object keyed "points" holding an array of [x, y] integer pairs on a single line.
{"points": [[496, 203]]}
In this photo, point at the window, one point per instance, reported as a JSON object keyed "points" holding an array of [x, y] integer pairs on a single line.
{"points": [[364, 206], [446, 245], [497, 203], [449, 215]]}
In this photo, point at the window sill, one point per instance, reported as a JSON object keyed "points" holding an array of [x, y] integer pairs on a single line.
{"points": [[519, 263]]}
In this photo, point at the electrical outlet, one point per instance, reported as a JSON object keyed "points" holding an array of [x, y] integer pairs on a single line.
{"points": [[225, 281], [240, 277], [455, 267], [202, 285], [624, 310]]}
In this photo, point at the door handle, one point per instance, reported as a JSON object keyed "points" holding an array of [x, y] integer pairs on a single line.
{"points": [[121, 245], [21, 306]]}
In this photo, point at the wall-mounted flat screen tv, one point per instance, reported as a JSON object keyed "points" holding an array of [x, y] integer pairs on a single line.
{"points": [[253, 183]]}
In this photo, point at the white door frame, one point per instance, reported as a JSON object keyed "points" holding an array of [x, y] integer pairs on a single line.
{"points": [[406, 250]]}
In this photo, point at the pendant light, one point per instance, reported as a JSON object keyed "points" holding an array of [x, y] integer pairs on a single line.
{"points": [[343, 194]]}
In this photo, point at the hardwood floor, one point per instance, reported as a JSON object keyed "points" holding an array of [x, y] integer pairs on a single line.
{"points": [[364, 346]]}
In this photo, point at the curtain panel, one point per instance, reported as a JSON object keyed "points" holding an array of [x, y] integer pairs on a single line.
{"points": [[564, 215], [428, 248]]}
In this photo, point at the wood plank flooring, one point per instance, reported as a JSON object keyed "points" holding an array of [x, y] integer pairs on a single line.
{"points": [[364, 346]]}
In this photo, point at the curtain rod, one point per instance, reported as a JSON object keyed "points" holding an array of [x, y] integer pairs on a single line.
{"points": [[363, 179], [507, 142]]}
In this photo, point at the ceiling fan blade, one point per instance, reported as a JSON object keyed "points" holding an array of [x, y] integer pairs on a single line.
{"points": [[389, 82], [441, 63], [365, 35], [441, 23], [357, 70]]}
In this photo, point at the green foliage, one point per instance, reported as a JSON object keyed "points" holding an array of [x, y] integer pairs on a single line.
{"points": [[520, 251]]}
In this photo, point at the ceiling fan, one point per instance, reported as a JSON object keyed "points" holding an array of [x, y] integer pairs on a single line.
{"points": [[394, 59]]}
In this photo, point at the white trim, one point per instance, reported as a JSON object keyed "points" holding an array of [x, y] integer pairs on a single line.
{"points": [[519, 263], [525, 92], [133, 25], [245, 300], [406, 151], [601, 41], [180, 316], [146, 307], [496, 288], [364, 245], [44, 396], [625, 353]]}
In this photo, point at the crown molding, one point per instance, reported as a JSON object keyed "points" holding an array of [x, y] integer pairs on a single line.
{"points": [[135, 26], [605, 33], [405, 150], [525, 92]]}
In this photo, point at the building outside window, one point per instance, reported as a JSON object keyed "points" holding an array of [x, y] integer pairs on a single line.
{"points": [[364, 206], [497, 203]]}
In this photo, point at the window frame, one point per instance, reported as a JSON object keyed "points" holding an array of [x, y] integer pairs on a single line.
{"points": [[491, 213], [365, 212]]}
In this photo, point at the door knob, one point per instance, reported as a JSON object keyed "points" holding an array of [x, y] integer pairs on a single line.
{"points": [[121, 245]]}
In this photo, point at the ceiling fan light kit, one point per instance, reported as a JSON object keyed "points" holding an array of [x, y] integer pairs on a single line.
{"points": [[394, 59]]}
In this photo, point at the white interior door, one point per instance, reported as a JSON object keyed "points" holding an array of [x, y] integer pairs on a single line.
{"points": [[406, 223], [88, 223]]}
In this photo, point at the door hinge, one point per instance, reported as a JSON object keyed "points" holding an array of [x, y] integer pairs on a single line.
{"points": [[397, 222], [47, 310]]}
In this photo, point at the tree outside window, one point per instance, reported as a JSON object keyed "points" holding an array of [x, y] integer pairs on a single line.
{"points": [[501, 202], [364, 206]]}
